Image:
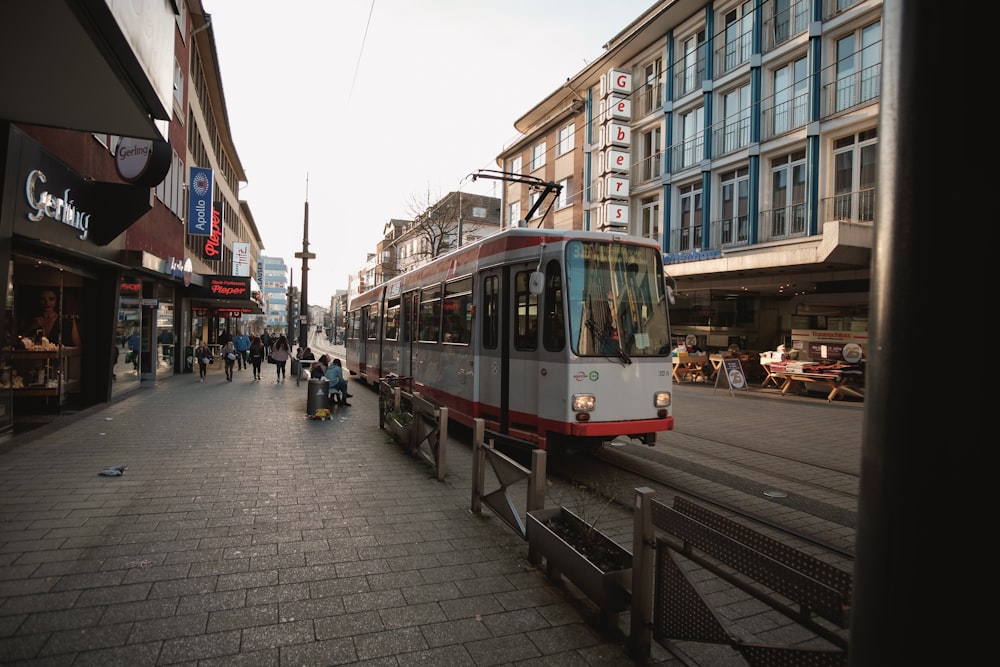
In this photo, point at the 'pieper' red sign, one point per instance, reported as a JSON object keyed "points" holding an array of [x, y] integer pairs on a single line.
{"points": [[228, 287], [212, 250]]}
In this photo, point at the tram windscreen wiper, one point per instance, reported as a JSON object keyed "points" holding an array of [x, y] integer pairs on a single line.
{"points": [[607, 340]]}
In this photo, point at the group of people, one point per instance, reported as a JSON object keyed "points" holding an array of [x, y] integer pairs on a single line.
{"points": [[333, 371], [245, 351], [249, 351]]}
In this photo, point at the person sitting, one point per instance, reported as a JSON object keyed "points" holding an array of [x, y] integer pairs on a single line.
{"points": [[319, 367], [338, 384]]}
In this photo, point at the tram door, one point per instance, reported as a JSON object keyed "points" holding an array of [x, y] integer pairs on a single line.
{"points": [[493, 366], [508, 335]]}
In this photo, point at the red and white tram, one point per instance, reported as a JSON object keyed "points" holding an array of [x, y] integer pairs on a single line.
{"points": [[555, 337]]}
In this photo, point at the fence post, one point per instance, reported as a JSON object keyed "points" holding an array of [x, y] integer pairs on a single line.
{"points": [[536, 483], [640, 634], [479, 430], [442, 447]]}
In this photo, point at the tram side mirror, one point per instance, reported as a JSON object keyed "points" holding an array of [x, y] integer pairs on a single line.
{"points": [[536, 282]]}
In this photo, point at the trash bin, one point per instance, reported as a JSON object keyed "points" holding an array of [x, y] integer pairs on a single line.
{"points": [[319, 390], [294, 370]]}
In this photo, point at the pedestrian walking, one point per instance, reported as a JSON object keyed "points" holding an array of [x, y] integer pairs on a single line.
{"points": [[256, 356], [281, 353], [241, 342], [267, 340], [229, 359], [204, 357]]}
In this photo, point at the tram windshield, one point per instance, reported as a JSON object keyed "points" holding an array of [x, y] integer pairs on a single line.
{"points": [[616, 300]]}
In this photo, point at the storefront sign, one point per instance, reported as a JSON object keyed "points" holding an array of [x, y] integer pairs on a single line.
{"points": [[212, 250], [47, 205], [200, 195], [142, 161], [230, 312], [731, 375], [130, 286], [241, 259], [228, 287]]}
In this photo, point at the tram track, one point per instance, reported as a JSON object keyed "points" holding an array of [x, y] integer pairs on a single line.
{"points": [[803, 519]]}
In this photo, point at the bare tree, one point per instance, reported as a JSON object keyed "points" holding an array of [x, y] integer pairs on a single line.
{"points": [[439, 222]]}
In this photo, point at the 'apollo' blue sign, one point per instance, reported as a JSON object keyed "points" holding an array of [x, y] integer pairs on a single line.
{"points": [[199, 222]]}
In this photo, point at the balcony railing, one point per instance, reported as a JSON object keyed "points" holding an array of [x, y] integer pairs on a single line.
{"points": [[857, 206], [833, 7], [777, 224], [733, 52], [688, 153], [784, 116], [786, 24], [686, 239], [649, 168], [733, 135], [856, 90], [689, 74], [647, 99], [782, 223]]}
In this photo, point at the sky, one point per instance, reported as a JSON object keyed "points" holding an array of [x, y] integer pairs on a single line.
{"points": [[362, 107]]}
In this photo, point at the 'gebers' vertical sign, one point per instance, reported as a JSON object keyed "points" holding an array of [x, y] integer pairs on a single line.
{"points": [[199, 222]]}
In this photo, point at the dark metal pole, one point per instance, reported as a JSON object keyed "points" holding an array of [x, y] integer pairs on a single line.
{"points": [[305, 255], [924, 564]]}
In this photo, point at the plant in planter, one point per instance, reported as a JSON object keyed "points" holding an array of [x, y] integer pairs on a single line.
{"points": [[572, 546], [401, 425]]}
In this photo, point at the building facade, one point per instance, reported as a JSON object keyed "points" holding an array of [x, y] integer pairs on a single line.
{"points": [[107, 286], [274, 274], [742, 136]]}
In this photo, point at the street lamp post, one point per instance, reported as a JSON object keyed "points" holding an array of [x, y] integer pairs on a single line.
{"points": [[305, 255]]}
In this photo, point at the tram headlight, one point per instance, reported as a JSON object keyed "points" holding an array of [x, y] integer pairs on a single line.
{"points": [[661, 399], [583, 402]]}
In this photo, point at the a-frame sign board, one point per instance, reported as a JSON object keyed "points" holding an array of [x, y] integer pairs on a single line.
{"points": [[732, 376]]}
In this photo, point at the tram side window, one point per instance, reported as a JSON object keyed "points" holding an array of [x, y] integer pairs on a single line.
{"points": [[490, 317], [553, 327], [410, 310], [526, 314], [372, 312], [429, 321], [458, 311], [392, 320]]}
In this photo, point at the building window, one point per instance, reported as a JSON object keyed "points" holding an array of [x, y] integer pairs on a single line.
{"points": [[735, 220], [532, 200], [689, 231], [694, 138], [859, 67], [855, 170], [735, 132], [538, 156], [651, 153], [691, 62], [651, 218], [736, 38], [565, 194], [566, 136], [514, 214], [791, 97], [514, 166], [788, 196], [652, 87]]}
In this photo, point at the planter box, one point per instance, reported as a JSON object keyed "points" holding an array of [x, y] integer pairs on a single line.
{"points": [[401, 432], [608, 590]]}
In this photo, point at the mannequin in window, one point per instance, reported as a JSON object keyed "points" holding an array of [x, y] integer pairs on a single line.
{"points": [[50, 322]]}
